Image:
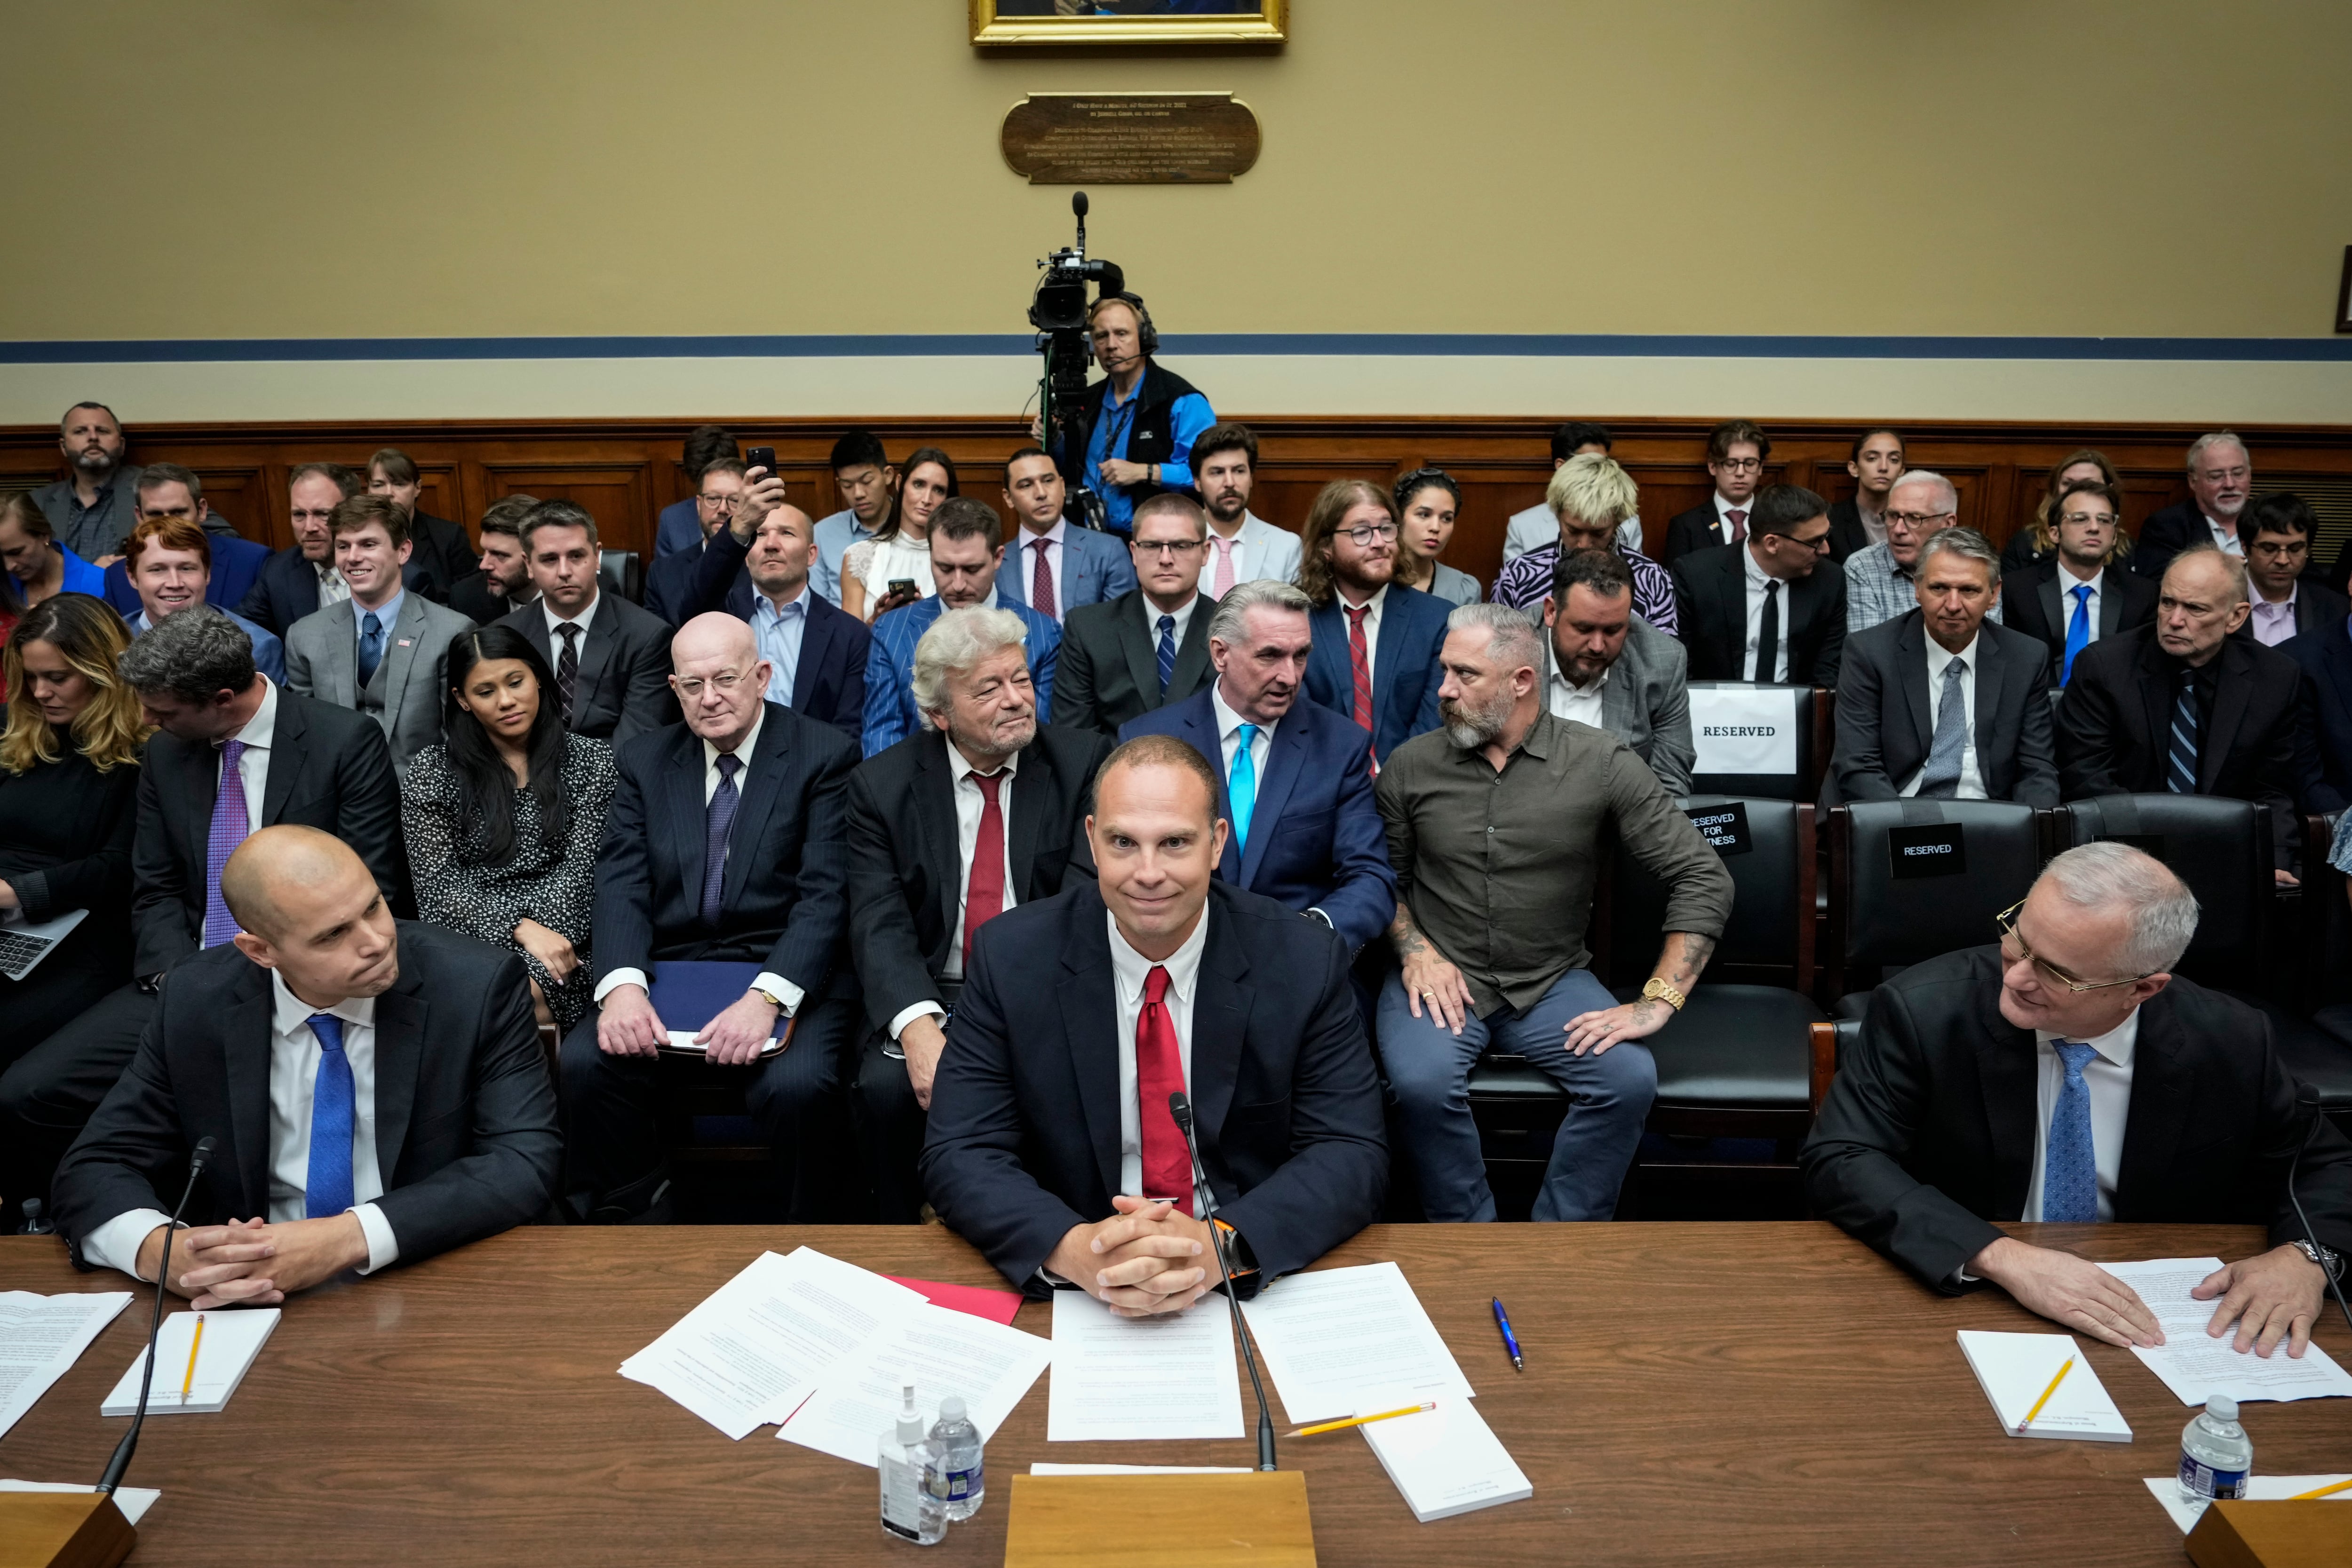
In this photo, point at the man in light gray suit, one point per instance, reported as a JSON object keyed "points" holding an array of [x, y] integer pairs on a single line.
{"points": [[1606, 666], [383, 651]]}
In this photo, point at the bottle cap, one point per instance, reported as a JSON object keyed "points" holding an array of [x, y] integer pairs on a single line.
{"points": [[910, 1420], [2221, 1407], [951, 1407]]}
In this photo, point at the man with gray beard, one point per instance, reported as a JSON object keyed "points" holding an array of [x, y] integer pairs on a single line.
{"points": [[1496, 823]]}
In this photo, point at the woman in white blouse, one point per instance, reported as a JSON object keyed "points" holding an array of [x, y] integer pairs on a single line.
{"points": [[900, 550]]}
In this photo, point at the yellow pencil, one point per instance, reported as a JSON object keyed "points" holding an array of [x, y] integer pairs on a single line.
{"points": [[195, 1343], [1360, 1420], [2321, 1491], [2046, 1393]]}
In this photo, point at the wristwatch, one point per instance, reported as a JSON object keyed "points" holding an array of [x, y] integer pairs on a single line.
{"points": [[2330, 1261], [772, 1000], [1658, 991]]}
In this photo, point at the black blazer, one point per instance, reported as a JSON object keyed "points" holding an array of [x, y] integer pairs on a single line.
{"points": [[2115, 726], [2034, 601], [329, 769], [1109, 667], [624, 689], [442, 550], [784, 902], [1846, 533], [1687, 533], [465, 1112], [2326, 661], [287, 589], [2317, 608], [471, 596], [2166, 534], [1928, 1134], [1882, 730], [906, 868], [1025, 1125], [1711, 595]]}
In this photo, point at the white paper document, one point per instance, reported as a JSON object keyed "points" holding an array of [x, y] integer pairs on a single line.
{"points": [[2015, 1370], [1162, 1377], [40, 1339], [1330, 1335], [232, 1339], [1044, 1469], [755, 1348], [2258, 1488], [1443, 1461], [134, 1501], [986, 1364], [2195, 1365]]}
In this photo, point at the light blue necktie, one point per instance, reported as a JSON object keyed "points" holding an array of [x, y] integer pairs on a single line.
{"points": [[327, 1191], [1242, 792], [2078, 630], [371, 646], [1167, 651], [2069, 1166]]}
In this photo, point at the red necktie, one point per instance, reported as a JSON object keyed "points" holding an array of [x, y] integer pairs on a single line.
{"points": [[1360, 657], [1159, 1073], [1737, 518], [1041, 581], [983, 893]]}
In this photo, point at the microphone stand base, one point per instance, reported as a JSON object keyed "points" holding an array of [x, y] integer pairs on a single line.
{"points": [[63, 1530], [1261, 1515]]}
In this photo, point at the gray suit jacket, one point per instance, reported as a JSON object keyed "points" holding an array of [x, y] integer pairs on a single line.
{"points": [[1883, 735], [1646, 703], [322, 662], [103, 531]]}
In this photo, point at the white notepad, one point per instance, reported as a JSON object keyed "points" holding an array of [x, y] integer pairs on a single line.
{"points": [[2015, 1368], [232, 1339], [1443, 1461]]}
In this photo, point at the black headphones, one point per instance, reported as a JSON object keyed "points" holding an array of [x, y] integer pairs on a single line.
{"points": [[1147, 336]]}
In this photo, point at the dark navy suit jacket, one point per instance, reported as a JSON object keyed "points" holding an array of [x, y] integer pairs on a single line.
{"points": [[1405, 674], [2326, 660]]}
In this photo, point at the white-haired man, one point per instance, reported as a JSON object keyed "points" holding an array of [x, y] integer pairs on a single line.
{"points": [[1879, 585], [2221, 482], [2067, 1075]]}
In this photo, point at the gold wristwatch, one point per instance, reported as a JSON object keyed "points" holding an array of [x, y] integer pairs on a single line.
{"points": [[1658, 991]]}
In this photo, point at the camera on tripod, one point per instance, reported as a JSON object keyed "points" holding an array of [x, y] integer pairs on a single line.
{"points": [[1059, 314]]}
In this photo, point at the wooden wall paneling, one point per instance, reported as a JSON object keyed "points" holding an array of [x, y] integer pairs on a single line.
{"points": [[616, 494]]}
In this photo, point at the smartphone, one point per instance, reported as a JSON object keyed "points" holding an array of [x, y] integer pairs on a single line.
{"points": [[760, 457], [905, 585]]}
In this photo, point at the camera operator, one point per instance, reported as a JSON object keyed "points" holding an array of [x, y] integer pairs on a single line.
{"points": [[1138, 424]]}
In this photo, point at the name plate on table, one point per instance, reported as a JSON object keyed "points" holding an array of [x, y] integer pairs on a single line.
{"points": [[1131, 138], [1744, 729], [1938, 848]]}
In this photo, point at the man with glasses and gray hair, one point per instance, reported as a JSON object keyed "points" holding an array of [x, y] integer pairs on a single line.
{"points": [[1879, 585], [2221, 482], [2066, 1075]]}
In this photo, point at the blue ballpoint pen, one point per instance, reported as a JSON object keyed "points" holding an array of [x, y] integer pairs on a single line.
{"points": [[1510, 1340]]}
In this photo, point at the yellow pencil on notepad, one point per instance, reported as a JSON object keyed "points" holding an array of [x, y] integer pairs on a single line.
{"points": [[2046, 1393], [2321, 1491], [1360, 1420], [195, 1343]]}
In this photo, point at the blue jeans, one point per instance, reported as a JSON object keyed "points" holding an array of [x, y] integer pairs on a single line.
{"points": [[1429, 1077]]}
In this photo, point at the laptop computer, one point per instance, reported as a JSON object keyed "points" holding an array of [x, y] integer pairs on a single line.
{"points": [[23, 947]]}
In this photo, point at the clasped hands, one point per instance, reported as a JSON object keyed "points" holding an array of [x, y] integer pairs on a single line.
{"points": [[2272, 1296], [627, 1025], [252, 1262], [1148, 1258]]}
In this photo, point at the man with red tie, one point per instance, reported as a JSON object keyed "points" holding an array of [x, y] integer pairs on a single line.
{"points": [[978, 814], [1052, 1147]]}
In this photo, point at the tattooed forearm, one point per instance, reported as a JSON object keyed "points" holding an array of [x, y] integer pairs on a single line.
{"points": [[1404, 935], [1684, 954]]}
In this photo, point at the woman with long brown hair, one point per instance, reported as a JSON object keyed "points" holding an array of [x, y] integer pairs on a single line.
{"points": [[1428, 500], [900, 550]]}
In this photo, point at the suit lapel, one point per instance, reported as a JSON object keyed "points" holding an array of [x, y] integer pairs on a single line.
{"points": [[1731, 613], [816, 636], [595, 653], [2111, 605], [1088, 999], [2156, 698], [2005, 1067], [1032, 792], [1991, 672], [400, 655], [1388, 656], [1329, 654], [935, 819], [2052, 597], [286, 757], [1221, 1009], [400, 1015], [341, 666], [2231, 694], [2158, 1111], [1193, 655], [770, 762], [688, 818], [1911, 658], [246, 1043], [1136, 641], [1285, 760]]}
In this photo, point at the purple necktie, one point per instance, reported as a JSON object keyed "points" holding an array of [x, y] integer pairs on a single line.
{"points": [[229, 829], [714, 854]]}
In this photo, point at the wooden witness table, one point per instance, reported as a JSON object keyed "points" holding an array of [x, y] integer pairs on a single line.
{"points": [[1694, 1393]]}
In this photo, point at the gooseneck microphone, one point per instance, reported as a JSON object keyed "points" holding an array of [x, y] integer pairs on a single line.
{"points": [[129, 1444], [2306, 1097], [1181, 1108]]}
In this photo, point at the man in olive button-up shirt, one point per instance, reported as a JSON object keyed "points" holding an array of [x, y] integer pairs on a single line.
{"points": [[1495, 825]]}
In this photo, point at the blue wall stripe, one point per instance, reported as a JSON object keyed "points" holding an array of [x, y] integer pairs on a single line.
{"points": [[167, 350]]}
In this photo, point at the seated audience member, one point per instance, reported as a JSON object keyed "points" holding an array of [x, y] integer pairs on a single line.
{"points": [[1943, 703], [2066, 1076], [670, 580], [1736, 451], [2278, 531], [1770, 609], [297, 579], [1605, 666], [1242, 546], [504, 815], [285, 760], [168, 562], [763, 886], [500, 583], [438, 547], [1297, 785], [1427, 502], [1879, 585], [966, 548], [1138, 425], [2038, 541], [866, 486], [1588, 497], [2081, 591], [683, 523], [1051, 566], [168, 490], [383, 651], [611, 658], [1376, 644], [2325, 656], [1128, 972], [2220, 481], [941, 841], [403, 1107], [1860, 521], [1539, 524], [1496, 826], [1148, 646], [2183, 706], [37, 566], [892, 569], [93, 510]]}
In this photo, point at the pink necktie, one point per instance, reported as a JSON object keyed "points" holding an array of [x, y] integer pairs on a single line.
{"points": [[1737, 519], [1222, 582]]}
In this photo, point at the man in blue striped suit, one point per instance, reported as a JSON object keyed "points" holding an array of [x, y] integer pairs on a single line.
{"points": [[1051, 566], [967, 547]]}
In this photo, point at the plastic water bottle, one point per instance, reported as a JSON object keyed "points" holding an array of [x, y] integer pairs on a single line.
{"points": [[956, 1477], [909, 1511], [2216, 1455]]}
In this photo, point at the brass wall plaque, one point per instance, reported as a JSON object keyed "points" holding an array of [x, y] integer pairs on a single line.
{"points": [[1131, 139]]}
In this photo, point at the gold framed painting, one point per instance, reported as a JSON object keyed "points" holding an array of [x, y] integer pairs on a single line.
{"points": [[1127, 21]]}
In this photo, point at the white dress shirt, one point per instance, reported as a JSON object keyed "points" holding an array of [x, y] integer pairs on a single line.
{"points": [[1053, 545], [1183, 618], [1229, 737], [1129, 968], [2274, 620], [2226, 540], [779, 631], [1582, 704], [1758, 579], [2108, 1076], [1971, 787], [253, 763], [1723, 510], [1372, 634], [583, 619], [971, 804], [294, 1054], [2067, 583]]}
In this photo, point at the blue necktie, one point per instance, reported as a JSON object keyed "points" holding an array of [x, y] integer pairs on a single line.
{"points": [[1167, 651], [371, 646], [720, 817], [2069, 1166], [2078, 631], [2180, 769], [327, 1190], [1242, 792]]}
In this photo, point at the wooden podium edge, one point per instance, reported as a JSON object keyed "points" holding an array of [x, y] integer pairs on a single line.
{"points": [[62, 1530], [2314, 1535], [1251, 1520]]}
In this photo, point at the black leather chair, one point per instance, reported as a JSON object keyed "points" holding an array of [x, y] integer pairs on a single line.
{"points": [[1809, 714], [623, 571], [1880, 920], [2217, 846]]}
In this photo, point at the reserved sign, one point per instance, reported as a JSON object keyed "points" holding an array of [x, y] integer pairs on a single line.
{"points": [[1744, 729], [1938, 848]]}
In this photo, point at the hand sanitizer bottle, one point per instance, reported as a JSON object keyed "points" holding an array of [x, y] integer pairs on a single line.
{"points": [[909, 1511]]}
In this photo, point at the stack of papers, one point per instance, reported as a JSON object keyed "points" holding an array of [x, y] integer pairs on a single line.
{"points": [[1328, 1336], [232, 1339], [2195, 1365], [1443, 1461], [2015, 1370], [940, 1351], [1119, 1378], [40, 1339], [2258, 1488]]}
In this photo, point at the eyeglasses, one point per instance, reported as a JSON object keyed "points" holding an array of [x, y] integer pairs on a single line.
{"points": [[725, 503], [1740, 465], [690, 686], [2007, 922], [1369, 532], [2279, 549], [1918, 519], [1176, 548]]}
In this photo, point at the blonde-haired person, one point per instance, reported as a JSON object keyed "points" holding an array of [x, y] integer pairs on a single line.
{"points": [[1592, 496]]}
